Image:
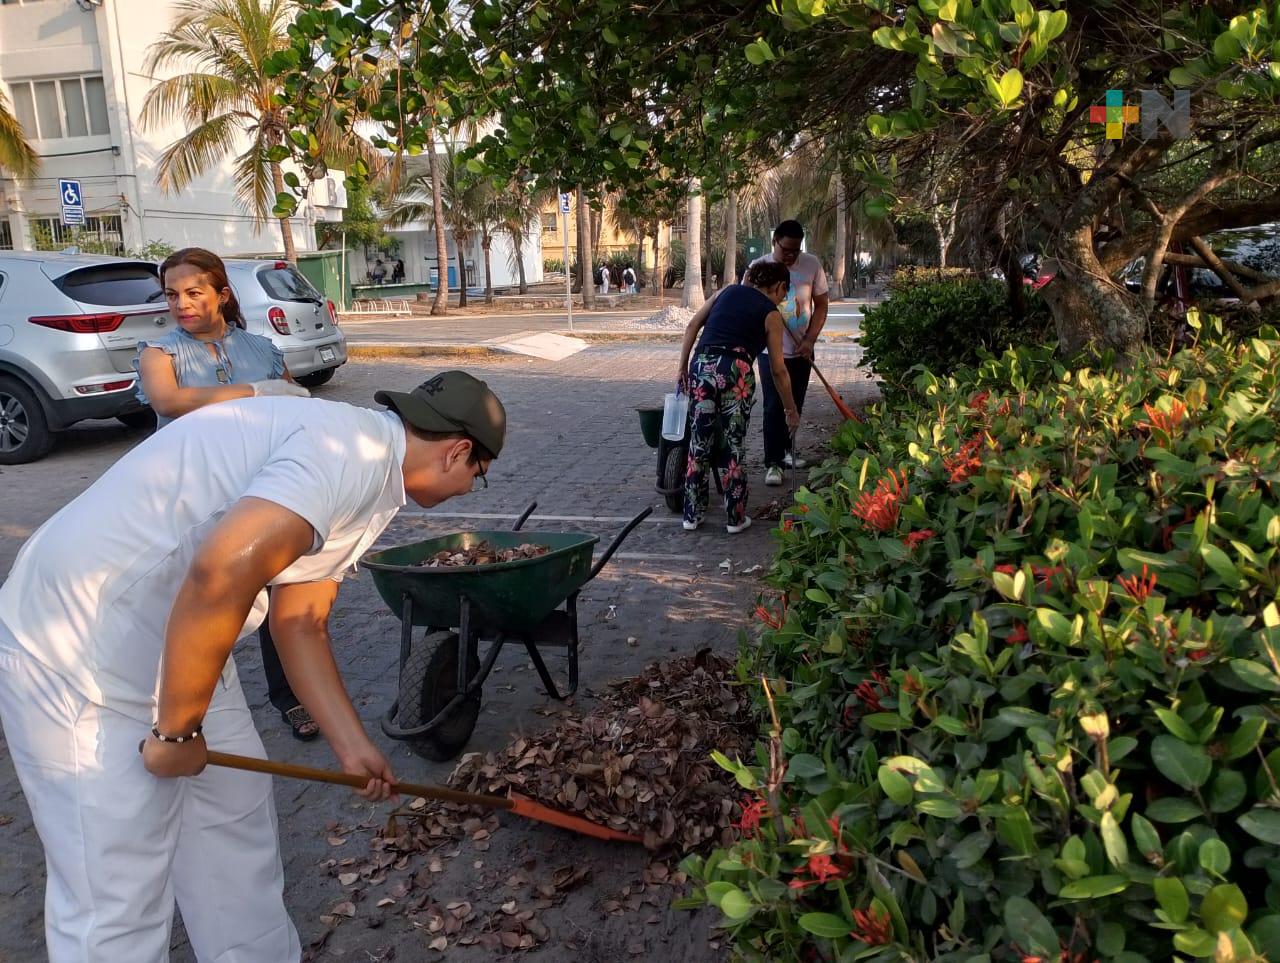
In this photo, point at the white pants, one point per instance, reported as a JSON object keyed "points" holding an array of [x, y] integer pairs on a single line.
{"points": [[121, 844]]}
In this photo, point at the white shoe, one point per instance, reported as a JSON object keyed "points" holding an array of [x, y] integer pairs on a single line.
{"points": [[773, 476], [794, 461], [735, 529], [692, 526]]}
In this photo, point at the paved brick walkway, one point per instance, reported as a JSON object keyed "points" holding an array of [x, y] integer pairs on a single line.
{"points": [[575, 448]]}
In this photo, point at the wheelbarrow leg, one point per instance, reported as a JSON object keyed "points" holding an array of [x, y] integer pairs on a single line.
{"points": [[406, 629], [468, 645], [571, 651]]}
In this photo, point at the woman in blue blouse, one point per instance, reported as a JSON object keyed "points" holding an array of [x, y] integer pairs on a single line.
{"points": [[208, 358]]}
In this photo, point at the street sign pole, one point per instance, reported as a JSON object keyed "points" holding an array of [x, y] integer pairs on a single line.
{"points": [[568, 275]]}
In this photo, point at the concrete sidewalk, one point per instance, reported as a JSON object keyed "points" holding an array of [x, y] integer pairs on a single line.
{"points": [[371, 336]]}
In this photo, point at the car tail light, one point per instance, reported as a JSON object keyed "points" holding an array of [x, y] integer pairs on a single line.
{"points": [[278, 320], [80, 323], [333, 312], [280, 265], [100, 389]]}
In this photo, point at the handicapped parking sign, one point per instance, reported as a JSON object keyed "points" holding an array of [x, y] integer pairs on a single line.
{"points": [[72, 202]]}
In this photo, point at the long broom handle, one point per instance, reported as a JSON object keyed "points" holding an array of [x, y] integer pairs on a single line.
{"points": [[292, 771]]}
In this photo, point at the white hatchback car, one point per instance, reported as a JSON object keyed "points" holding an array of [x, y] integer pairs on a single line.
{"points": [[279, 303]]}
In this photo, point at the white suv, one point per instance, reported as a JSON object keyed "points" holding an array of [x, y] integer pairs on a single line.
{"points": [[69, 329]]}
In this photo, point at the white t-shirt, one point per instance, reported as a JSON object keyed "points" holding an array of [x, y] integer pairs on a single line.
{"points": [[90, 592], [808, 280]]}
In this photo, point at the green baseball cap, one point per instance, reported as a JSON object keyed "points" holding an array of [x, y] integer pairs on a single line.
{"points": [[452, 401]]}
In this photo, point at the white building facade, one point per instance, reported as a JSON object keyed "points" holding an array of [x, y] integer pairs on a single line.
{"points": [[73, 73]]}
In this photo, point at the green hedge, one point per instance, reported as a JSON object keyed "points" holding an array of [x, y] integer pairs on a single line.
{"points": [[1025, 665], [941, 325]]}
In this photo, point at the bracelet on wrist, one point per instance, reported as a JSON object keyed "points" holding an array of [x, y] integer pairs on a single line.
{"points": [[198, 731]]}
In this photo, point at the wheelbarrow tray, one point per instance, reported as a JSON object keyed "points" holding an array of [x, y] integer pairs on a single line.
{"points": [[511, 597]]}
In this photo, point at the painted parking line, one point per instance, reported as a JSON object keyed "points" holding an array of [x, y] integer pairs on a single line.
{"points": [[500, 516]]}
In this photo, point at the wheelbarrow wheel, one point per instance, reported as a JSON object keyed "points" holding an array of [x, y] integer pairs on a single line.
{"points": [[428, 682], [673, 472]]}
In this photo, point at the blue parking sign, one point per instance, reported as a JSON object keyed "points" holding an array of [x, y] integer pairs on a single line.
{"points": [[72, 200]]}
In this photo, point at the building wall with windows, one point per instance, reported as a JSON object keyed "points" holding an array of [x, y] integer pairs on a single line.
{"points": [[73, 73]]}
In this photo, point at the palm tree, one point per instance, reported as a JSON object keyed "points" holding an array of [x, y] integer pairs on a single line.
{"points": [[17, 157], [519, 208], [462, 198], [693, 294], [225, 95], [584, 253]]}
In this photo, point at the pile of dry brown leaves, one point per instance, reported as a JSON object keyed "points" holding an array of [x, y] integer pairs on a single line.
{"points": [[642, 762], [482, 554], [639, 762]]}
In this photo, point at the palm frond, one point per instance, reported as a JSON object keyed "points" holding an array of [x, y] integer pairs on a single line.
{"points": [[17, 156], [195, 152], [253, 179]]}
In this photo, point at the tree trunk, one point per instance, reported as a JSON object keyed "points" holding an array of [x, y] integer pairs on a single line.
{"points": [[731, 239], [517, 242], [708, 286], [286, 229], [1090, 311], [655, 281], [486, 243], [693, 295], [842, 237], [462, 241], [585, 267], [441, 303]]}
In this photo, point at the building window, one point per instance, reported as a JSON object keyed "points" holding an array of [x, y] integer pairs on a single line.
{"points": [[6, 235], [550, 222], [98, 235], [65, 107]]}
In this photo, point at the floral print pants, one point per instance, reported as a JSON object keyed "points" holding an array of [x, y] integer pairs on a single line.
{"points": [[721, 395]]}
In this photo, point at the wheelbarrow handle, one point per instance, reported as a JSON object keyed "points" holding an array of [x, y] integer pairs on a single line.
{"points": [[524, 517], [617, 542]]}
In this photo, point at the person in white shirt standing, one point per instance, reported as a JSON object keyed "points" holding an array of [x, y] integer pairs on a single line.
{"points": [[116, 628], [804, 313]]}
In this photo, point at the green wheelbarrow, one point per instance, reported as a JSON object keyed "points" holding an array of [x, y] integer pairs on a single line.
{"points": [[531, 601]]}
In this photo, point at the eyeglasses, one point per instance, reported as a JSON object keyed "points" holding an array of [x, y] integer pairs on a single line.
{"points": [[786, 249], [480, 482]]}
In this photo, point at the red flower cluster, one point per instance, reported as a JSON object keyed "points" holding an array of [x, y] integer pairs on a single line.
{"points": [[868, 692], [879, 509], [964, 463], [751, 813], [1046, 574], [1139, 586], [918, 538], [1006, 569], [872, 927], [775, 620], [1166, 421], [788, 525], [822, 868], [1019, 635], [979, 401]]}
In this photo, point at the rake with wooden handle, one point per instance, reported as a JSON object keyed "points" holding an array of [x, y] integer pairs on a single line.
{"points": [[844, 409], [520, 805]]}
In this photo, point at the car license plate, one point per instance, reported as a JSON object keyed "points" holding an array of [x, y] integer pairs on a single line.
{"points": [[327, 354]]}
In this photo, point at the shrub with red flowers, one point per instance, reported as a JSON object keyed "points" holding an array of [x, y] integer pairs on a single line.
{"points": [[1042, 708]]}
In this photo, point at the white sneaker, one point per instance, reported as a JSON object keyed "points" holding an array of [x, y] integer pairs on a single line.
{"points": [[794, 461], [692, 526], [735, 529], [773, 476]]}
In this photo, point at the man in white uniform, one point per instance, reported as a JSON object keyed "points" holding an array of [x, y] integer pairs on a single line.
{"points": [[117, 623], [804, 313]]}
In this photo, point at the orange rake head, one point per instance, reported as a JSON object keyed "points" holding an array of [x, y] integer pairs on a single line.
{"points": [[844, 409], [526, 807]]}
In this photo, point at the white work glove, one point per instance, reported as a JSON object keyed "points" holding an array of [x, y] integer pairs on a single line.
{"points": [[278, 388]]}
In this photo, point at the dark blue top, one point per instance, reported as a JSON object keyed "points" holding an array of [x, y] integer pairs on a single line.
{"points": [[736, 321]]}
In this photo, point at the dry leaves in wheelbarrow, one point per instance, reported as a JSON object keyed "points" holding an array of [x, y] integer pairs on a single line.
{"points": [[482, 554], [641, 762]]}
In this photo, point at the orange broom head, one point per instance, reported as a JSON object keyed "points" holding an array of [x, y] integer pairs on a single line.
{"points": [[524, 806]]}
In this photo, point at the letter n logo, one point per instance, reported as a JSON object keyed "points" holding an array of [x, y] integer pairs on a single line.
{"points": [[1175, 117]]}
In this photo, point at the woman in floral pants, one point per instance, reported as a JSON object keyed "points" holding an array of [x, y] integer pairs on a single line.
{"points": [[740, 321]]}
